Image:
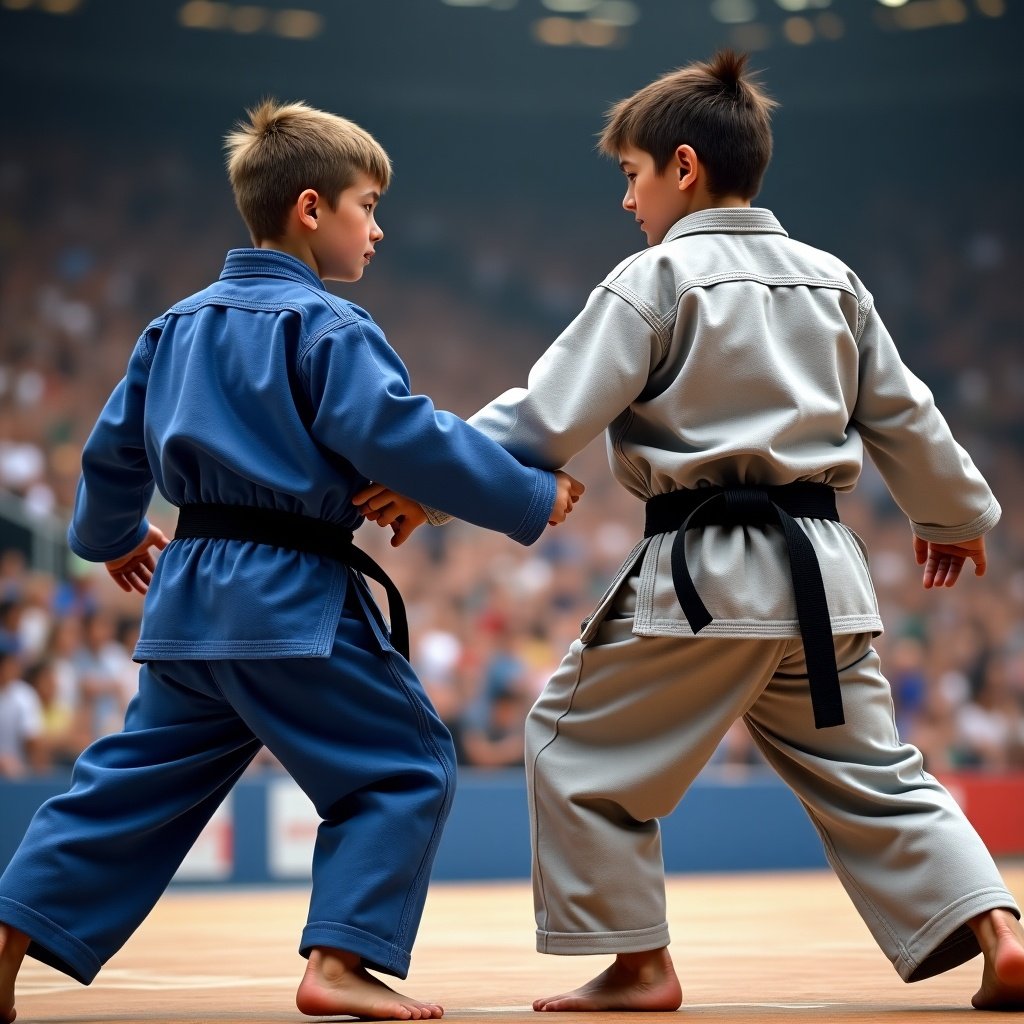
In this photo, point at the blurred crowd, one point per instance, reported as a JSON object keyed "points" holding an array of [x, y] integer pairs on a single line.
{"points": [[470, 297]]}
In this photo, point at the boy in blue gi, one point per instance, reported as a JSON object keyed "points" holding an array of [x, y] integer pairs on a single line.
{"points": [[259, 406], [739, 375]]}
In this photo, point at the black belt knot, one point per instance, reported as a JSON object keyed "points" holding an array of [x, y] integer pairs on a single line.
{"points": [[299, 533], [689, 509]]}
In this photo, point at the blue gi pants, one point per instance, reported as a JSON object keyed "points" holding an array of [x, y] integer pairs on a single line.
{"points": [[355, 731]]}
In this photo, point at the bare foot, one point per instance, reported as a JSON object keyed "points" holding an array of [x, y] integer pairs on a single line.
{"points": [[13, 945], [1001, 939], [636, 981], [336, 982]]}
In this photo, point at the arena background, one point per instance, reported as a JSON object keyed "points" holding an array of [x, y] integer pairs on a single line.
{"points": [[898, 146]]}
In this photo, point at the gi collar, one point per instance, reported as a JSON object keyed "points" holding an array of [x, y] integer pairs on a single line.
{"points": [[737, 220], [268, 263]]}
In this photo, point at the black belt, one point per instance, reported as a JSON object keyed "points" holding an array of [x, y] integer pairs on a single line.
{"points": [[299, 533], [760, 506]]}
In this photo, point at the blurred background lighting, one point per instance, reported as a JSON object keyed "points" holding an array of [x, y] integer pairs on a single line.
{"points": [[596, 33], [734, 12], [755, 36], [830, 26], [249, 18], [926, 14], [555, 31], [576, 32], [569, 6], [622, 13], [798, 31], [991, 8], [892, 3], [203, 14], [793, 5], [296, 24], [49, 6]]}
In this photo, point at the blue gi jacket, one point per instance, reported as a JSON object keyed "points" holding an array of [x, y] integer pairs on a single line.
{"points": [[266, 389]]}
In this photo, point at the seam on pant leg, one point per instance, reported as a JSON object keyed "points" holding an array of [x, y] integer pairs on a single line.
{"points": [[422, 872], [841, 868], [533, 784]]}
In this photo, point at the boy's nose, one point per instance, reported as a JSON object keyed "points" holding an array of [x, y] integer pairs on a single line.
{"points": [[628, 202]]}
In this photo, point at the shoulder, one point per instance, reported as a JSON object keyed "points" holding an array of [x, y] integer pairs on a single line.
{"points": [[823, 262]]}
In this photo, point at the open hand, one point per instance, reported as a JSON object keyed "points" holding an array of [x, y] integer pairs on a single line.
{"points": [[134, 571], [943, 562]]}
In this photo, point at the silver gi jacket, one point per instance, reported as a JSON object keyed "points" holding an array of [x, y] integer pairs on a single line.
{"points": [[731, 354]]}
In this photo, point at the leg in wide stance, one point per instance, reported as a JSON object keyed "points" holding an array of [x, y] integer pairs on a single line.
{"points": [[624, 727]]}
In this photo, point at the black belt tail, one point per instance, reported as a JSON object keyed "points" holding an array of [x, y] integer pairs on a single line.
{"points": [[685, 510]]}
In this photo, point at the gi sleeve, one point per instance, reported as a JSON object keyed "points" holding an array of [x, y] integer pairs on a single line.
{"points": [[593, 371], [116, 485], [364, 410], [929, 475]]}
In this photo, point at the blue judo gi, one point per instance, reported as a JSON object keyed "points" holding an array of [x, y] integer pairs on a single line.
{"points": [[262, 390]]}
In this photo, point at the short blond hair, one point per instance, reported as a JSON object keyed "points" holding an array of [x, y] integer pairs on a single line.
{"points": [[715, 106], [285, 148]]}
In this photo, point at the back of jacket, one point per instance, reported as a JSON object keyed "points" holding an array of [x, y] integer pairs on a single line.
{"points": [[733, 355], [266, 390]]}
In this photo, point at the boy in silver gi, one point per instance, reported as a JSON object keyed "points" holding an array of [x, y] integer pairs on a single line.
{"points": [[739, 375], [258, 407]]}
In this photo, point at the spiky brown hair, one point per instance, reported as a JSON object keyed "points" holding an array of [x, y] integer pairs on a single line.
{"points": [[285, 148], [714, 106]]}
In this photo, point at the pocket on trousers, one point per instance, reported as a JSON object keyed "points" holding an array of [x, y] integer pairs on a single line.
{"points": [[590, 625]]}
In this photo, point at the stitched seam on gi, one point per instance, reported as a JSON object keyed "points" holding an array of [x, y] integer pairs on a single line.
{"points": [[841, 868], [627, 422], [843, 668], [422, 871], [533, 776]]}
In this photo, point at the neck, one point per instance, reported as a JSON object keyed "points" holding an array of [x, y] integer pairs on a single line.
{"points": [[291, 247], [710, 202]]}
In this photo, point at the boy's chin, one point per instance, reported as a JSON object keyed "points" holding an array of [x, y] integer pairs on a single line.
{"points": [[350, 277]]}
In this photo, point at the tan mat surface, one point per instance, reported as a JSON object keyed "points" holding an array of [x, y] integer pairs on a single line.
{"points": [[760, 947]]}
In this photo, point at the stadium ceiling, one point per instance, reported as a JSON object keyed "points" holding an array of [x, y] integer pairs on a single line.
{"points": [[536, 58]]}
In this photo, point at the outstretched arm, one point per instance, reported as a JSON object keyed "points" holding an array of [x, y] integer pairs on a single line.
{"points": [[134, 571], [943, 562]]}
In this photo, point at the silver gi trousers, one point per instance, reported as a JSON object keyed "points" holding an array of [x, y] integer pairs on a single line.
{"points": [[627, 722]]}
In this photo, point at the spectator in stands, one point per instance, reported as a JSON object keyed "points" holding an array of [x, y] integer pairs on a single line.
{"points": [[21, 726], [78, 277], [64, 733]]}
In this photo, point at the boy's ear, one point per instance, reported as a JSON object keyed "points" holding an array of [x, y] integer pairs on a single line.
{"points": [[687, 165], [306, 208]]}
